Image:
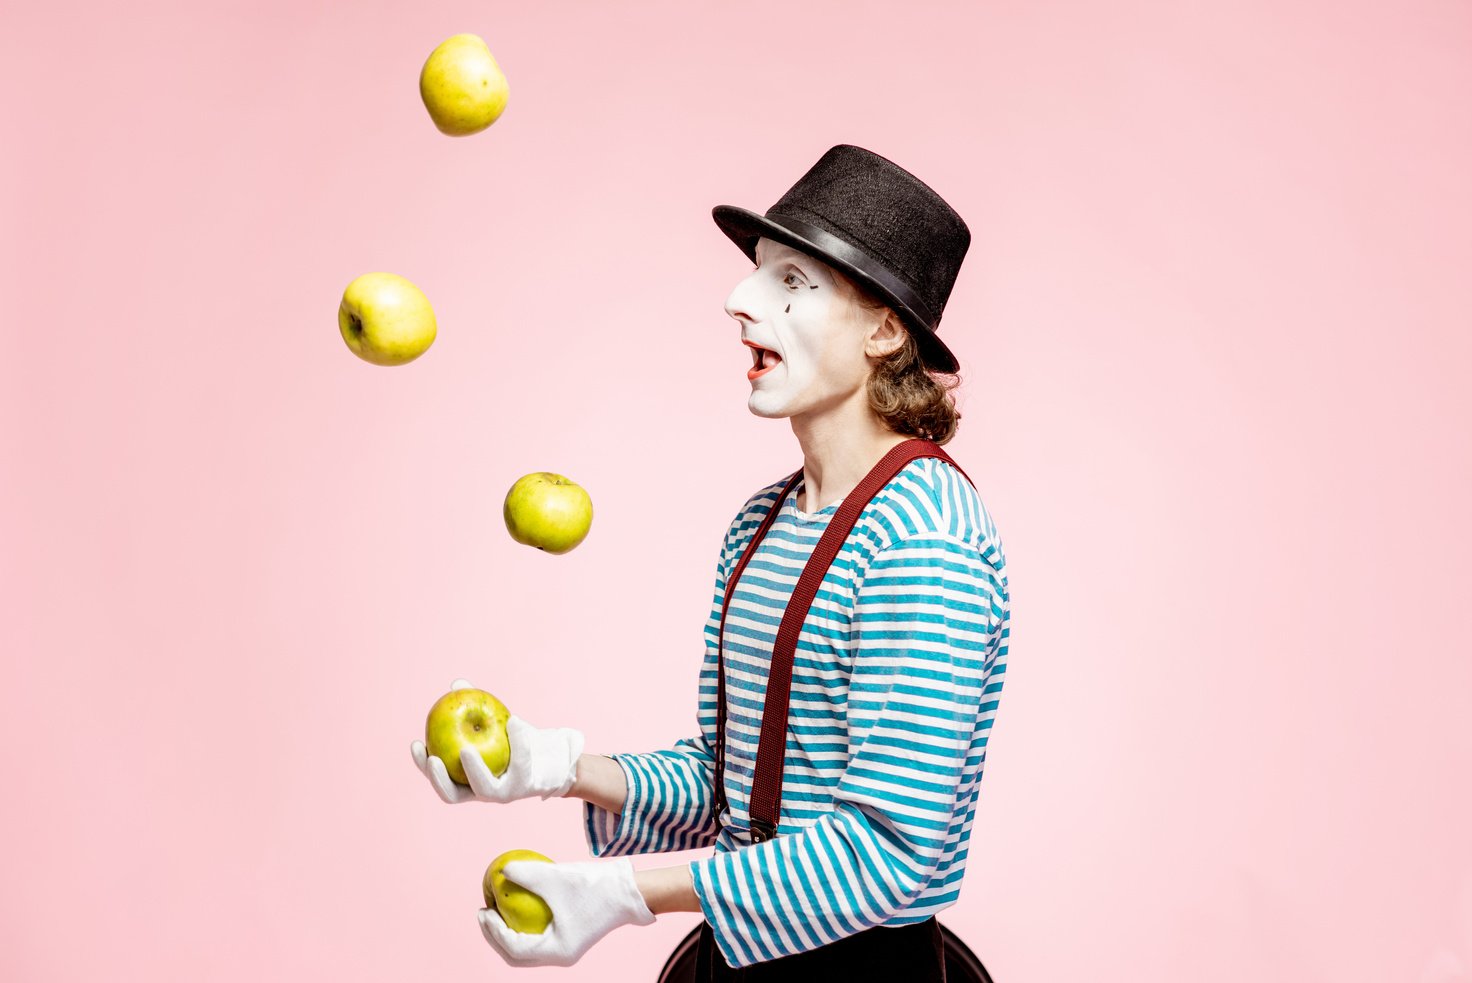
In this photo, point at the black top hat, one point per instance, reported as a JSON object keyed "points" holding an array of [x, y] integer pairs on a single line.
{"points": [[878, 224]]}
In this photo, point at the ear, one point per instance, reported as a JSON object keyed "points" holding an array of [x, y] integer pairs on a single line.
{"points": [[885, 336]]}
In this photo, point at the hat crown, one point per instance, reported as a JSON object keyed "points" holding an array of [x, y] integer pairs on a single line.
{"points": [[887, 213]]}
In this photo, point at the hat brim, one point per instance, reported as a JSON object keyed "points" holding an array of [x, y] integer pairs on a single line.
{"points": [[744, 227]]}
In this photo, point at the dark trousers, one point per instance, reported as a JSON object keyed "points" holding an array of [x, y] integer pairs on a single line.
{"points": [[906, 954]]}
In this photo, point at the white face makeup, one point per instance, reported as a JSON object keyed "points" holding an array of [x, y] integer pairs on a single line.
{"points": [[791, 306]]}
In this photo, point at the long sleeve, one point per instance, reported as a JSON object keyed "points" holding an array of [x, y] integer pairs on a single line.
{"points": [[927, 631], [668, 808], [671, 796]]}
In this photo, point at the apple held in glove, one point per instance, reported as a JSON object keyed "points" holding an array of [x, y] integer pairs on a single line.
{"points": [[462, 86], [548, 511], [385, 319], [521, 910], [517, 760], [587, 901], [468, 718]]}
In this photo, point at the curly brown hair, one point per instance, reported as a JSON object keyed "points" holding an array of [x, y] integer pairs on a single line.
{"points": [[909, 397]]}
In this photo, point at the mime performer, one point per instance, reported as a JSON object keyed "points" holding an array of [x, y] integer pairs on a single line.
{"points": [[900, 662]]}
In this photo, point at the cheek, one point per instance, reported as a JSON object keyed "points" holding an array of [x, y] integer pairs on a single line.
{"points": [[835, 355], [817, 367], [801, 355]]}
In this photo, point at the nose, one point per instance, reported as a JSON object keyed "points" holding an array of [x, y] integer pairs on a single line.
{"points": [[741, 303]]}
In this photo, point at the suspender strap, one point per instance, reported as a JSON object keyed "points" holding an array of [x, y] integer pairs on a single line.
{"points": [[746, 554], [766, 794]]}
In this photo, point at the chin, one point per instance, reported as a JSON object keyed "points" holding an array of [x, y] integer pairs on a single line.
{"points": [[766, 408]]}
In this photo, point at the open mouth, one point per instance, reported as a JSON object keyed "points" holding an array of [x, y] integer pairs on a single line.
{"points": [[762, 361]]}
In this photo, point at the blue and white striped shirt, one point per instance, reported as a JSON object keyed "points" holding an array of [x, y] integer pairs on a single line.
{"points": [[896, 679]]}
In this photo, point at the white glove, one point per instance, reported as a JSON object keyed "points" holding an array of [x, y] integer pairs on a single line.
{"points": [[588, 900], [544, 762]]}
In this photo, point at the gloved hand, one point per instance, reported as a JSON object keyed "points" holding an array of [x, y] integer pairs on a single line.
{"points": [[544, 763], [588, 900]]}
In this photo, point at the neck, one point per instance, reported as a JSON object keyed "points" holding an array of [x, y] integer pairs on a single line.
{"points": [[840, 445]]}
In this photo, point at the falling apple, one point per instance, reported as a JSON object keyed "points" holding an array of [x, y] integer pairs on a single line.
{"points": [[463, 88], [468, 718], [385, 319], [548, 511], [522, 910]]}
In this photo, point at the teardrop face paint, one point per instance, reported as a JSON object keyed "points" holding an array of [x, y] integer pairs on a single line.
{"points": [[790, 304]]}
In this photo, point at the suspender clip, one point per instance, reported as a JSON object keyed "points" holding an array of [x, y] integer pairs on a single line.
{"points": [[761, 830]]}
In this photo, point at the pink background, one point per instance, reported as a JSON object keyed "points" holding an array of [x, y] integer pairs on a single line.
{"points": [[1212, 326]]}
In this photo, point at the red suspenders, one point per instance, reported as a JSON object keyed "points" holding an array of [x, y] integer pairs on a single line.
{"points": [[766, 793]]}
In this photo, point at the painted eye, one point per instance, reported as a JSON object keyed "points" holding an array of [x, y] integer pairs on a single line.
{"points": [[789, 278]]}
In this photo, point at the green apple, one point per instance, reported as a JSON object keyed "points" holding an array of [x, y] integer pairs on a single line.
{"points": [[548, 511], [468, 718], [462, 86], [385, 319], [521, 910]]}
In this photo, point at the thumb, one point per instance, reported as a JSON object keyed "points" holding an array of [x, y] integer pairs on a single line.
{"points": [[460, 684], [518, 731], [534, 875], [522, 737]]}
